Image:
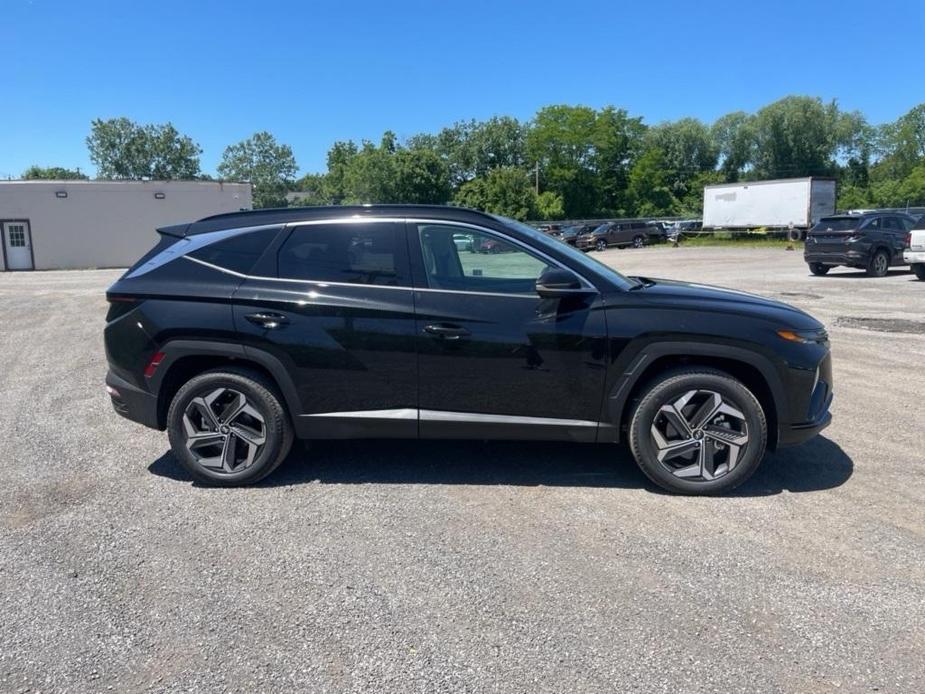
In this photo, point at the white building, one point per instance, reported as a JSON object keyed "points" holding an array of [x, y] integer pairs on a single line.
{"points": [[95, 224]]}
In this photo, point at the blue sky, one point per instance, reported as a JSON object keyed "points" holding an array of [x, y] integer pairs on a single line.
{"points": [[315, 72]]}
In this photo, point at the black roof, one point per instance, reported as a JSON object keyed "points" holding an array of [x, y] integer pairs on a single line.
{"points": [[284, 215]]}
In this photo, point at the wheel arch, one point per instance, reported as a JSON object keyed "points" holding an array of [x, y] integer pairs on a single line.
{"points": [[186, 358], [754, 370]]}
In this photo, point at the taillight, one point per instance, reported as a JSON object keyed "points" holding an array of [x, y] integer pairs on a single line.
{"points": [[154, 363], [909, 240]]}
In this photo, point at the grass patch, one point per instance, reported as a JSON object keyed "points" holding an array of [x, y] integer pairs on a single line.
{"points": [[739, 240]]}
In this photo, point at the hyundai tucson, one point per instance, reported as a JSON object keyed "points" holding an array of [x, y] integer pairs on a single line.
{"points": [[241, 332]]}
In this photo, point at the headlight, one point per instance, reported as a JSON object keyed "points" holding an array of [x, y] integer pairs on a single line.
{"points": [[819, 336]]}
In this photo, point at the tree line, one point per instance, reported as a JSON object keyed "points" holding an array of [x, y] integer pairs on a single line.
{"points": [[566, 162]]}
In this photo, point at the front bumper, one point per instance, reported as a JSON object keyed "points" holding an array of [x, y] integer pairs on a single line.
{"points": [[131, 402], [913, 257]]}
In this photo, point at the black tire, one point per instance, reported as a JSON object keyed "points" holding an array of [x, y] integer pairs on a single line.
{"points": [[668, 389], [879, 264], [919, 270], [819, 269], [639, 241], [601, 245], [262, 396]]}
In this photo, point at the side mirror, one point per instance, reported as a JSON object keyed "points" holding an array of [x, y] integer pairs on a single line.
{"points": [[556, 282]]}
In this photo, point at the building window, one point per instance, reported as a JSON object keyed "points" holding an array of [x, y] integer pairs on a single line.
{"points": [[17, 234]]}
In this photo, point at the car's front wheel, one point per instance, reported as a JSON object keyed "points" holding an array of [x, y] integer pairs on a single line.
{"points": [[698, 431], [919, 270], [819, 269], [638, 241], [601, 245], [229, 427]]}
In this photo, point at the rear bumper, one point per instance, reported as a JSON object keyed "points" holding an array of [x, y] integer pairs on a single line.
{"points": [[852, 258], [914, 257], [131, 402]]}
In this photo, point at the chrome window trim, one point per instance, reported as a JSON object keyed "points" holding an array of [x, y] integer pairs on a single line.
{"points": [[401, 220]]}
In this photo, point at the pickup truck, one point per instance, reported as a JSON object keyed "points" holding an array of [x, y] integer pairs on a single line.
{"points": [[914, 254]]}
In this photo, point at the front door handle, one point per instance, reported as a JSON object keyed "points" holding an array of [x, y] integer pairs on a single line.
{"points": [[446, 331], [267, 320]]}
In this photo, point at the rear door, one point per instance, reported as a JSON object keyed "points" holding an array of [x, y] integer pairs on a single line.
{"points": [[496, 360], [895, 232], [337, 311]]}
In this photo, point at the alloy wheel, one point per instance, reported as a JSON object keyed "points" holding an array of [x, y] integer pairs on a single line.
{"points": [[638, 242], [699, 436], [881, 264], [601, 245], [224, 432]]}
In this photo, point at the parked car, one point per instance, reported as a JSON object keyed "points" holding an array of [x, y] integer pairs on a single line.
{"points": [[621, 234], [570, 234], [914, 253], [872, 241], [241, 332]]}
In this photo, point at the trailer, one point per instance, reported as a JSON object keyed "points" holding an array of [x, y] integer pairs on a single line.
{"points": [[781, 203]]}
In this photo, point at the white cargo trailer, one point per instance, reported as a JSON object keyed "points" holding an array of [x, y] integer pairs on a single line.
{"points": [[780, 203]]}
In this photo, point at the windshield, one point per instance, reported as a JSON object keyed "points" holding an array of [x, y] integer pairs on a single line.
{"points": [[580, 258], [836, 224]]}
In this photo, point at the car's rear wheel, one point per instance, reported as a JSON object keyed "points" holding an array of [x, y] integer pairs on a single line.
{"points": [[601, 245], [639, 241], [819, 269], [698, 431], [879, 264], [229, 427], [919, 270]]}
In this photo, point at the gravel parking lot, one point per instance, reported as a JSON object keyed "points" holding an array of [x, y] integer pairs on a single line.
{"points": [[464, 566]]}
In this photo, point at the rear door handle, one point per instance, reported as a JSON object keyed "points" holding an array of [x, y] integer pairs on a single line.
{"points": [[267, 320], [446, 331]]}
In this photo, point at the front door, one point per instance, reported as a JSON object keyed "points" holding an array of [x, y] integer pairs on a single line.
{"points": [[17, 245], [496, 360]]}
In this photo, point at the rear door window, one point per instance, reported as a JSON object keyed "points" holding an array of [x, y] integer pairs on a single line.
{"points": [[873, 224], [373, 253]]}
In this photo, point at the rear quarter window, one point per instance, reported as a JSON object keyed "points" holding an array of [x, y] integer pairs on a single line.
{"points": [[836, 224], [239, 253]]}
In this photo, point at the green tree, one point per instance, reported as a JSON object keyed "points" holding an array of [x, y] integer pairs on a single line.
{"points": [[796, 136], [53, 173], [902, 144], [505, 190], [123, 149], [421, 177], [549, 206], [339, 158], [472, 148], [269, 166], [648, 187], [688, 150], [734, 136], [311, 190]]}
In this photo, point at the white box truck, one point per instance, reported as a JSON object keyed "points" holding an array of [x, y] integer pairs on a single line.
{"points": [[779, 203]]}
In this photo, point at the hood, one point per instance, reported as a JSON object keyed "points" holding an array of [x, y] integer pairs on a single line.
{"points": [[708, 298]]}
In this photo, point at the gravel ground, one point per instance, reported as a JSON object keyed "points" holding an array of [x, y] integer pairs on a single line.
{"points": [[425, 567]]}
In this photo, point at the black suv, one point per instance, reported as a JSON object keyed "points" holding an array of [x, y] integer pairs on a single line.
{"points": [[241, 332], [872, 241]]}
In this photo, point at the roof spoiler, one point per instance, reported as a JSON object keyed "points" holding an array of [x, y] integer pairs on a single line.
{"points": [[176, 230]]}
